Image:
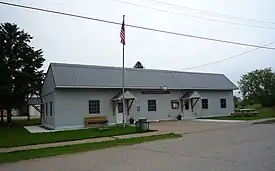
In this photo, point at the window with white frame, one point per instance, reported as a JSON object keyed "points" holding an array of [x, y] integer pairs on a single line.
{"points": [[94, 107], [46, 109], [223, 103], [186, 105], [120, 107], [42, 108], [204, 103], [51, 109], [152, 105]]}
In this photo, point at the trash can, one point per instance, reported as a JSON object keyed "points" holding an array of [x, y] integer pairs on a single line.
{"points": [[143, 124]]}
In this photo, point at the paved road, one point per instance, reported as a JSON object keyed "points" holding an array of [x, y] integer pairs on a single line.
{"points": [[241, 148]]}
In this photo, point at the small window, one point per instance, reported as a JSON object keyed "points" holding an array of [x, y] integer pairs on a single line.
{"points": [[186, 105], [94, 107], [51, 109], [223, 103], [120, 107], [175, 104], [138, 108], [46, 109], [204, 103], [152, 105], [42, 109]]}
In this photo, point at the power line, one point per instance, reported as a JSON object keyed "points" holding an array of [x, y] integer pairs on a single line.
{"points": [[225, 59], [213, 13], [198, 17], [135, 26]]}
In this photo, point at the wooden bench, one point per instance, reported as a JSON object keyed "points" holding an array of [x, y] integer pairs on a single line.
{"points": [[91, 120]]}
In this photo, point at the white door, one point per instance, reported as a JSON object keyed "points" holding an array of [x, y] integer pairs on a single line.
{"points": [[119, 113], [187, 111]]}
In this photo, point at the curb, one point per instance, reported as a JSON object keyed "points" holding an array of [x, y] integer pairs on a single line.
{"points": [[262, 121]]}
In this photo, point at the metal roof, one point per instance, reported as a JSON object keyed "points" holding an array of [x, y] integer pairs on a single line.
{"points": [[91, 76]]}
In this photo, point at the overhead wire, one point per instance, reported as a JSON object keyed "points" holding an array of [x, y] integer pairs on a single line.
{"points": [[212, 13], [134, 26], [226, 59], [193, 16]]}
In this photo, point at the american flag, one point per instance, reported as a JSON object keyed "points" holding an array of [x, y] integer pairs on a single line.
{"points": [[122, 33]]}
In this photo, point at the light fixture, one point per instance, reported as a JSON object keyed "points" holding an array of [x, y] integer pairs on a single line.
{"points": [[164, 88]]}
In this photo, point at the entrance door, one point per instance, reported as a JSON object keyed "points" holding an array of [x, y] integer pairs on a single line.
{"points": [[187, 110], [119, 113]]}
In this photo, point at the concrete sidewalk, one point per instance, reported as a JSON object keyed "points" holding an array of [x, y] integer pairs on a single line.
{"points": [[92, 140], [236, 121]]}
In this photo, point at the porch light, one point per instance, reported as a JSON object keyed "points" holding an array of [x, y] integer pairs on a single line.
{"points": [[164, 88]]}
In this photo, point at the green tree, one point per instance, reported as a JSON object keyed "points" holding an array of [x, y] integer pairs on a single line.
{"points": [[236, 101], [258, 86], [20, 67]]}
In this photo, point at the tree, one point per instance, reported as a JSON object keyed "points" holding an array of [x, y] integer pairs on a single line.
{"points": [[258, 86], [138, 65], [20, 67], [236, 101]]}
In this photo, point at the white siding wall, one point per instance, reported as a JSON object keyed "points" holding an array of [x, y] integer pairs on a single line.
{"points": [[48, 120], [48, 95], [214, 106], [164, 109], [71, 106]]}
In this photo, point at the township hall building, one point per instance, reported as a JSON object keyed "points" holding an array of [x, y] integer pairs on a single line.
{"points": [[72, 92]]}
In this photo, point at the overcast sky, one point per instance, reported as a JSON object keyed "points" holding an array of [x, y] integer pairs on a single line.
{"points": [[73, 40]]}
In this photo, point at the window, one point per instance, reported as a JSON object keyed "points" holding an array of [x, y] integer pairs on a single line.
{"points": [[138, 108], [152, 105], [51, 108], [204, 103], [42, 109], [223, 103], [94, 106], [46, 109], [120, 107], [175, 104], [186, 105]]}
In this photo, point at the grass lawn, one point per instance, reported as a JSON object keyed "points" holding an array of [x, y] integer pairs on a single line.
{"points": [[263, 113], [54, 151], [19, 136]]}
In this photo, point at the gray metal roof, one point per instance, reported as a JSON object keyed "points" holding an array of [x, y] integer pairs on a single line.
{"points": [[90, 76]]}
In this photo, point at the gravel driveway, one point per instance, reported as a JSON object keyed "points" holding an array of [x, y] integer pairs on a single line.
{"points": [[237, 148]]}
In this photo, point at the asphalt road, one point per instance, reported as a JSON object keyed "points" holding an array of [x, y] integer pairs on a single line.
{"points": [[247, 147]]}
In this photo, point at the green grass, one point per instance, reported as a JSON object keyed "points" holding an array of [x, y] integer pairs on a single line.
{"points": [[19, 136], [263, 113], [54, 151], [25, 122]]}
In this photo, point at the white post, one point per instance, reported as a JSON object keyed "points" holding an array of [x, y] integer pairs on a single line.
{"points": [[123, 79]]}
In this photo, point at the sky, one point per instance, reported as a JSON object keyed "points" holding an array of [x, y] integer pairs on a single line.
{"points": [[74, 40]]}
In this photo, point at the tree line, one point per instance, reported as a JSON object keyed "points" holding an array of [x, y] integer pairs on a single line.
{"points": [[258, 87]]}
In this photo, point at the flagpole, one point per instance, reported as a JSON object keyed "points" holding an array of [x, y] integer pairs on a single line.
{"points": [[123, 79]]}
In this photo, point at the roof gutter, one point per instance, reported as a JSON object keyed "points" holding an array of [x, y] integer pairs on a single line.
{"points": [[151, 88]]}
